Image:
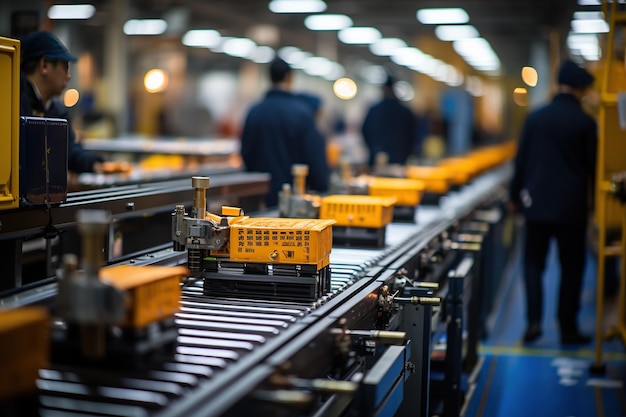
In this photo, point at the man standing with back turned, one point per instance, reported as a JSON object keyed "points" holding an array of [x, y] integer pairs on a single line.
{"points": [[554, 174], [281, 131]]}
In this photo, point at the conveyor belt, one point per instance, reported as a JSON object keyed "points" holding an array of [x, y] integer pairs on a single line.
{"points": [[226, 347]]}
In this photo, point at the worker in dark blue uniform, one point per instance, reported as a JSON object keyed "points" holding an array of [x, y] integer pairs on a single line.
{"points": [[45, 65], [280, 131], [553, 180], [389, 127]]}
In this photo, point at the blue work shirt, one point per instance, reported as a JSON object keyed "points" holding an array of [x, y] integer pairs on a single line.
{"points": [[278, 132], [390, 127], [555, 163]]}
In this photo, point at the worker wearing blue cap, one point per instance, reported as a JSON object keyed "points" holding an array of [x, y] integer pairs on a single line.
{"points": [[45, 65], [554, 176]]}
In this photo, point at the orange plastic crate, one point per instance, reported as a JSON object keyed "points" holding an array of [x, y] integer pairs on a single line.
{"points": [[153, 291], [408, 192], [437, 179], [24, 349], [358, 210], [282, 241]]}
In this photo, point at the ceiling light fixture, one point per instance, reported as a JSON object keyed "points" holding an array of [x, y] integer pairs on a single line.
{"points": [[443, 16], [201, 38], [386, 46], [455, 32], [327, 22], [297, 6], [145, 27], [71, 11], [359, 35]]}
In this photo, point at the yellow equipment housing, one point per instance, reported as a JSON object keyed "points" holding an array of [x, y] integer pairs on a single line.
{"points": [[281, 241], [153, 292], [9, 122], [437, 179], [407, 191], [24, 349], [358, 210]]}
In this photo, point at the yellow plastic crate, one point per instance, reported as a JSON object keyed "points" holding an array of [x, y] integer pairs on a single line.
{"points": [[153, 291], [358, 210], [281, 241], [437, 179], [24, 349], [408, 192], [462, 169], [9, 122]]}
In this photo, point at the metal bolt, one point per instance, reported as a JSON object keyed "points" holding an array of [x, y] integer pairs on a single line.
{"points": [[130, 206]]}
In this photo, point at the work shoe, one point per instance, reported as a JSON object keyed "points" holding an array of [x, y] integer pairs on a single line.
{"points": [[533, 332], [574, 338]]}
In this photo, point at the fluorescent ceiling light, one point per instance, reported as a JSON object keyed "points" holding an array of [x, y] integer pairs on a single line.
{"points": [[286, 51], [317, 65], [239, 47], [297, 58], [297, 6], [455, 32], [263, 55], [588, 15], [359, 35], [327, 22], [442, 16], [590, 26], [201, 38], [386, 46], [407, 56], [336, 71], [145, 27], [71, 11]]}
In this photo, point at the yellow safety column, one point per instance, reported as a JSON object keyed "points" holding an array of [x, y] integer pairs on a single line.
{"points": [[610, 160]]}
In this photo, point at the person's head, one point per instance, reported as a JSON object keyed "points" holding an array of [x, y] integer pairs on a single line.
{"points": [[280, 72], [45, 60], [388, 90], [574, 79]]}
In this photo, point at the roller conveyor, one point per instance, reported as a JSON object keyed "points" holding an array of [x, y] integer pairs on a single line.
{"points": [[227, 349]]}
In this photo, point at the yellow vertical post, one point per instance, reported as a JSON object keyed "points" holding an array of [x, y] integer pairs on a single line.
{"points": [[609, 159]]}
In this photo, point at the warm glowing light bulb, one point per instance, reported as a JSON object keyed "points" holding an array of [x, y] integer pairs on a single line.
{"points": [[529, 76], [345, 88], [155, 81], [520, 96], [70, 98]]}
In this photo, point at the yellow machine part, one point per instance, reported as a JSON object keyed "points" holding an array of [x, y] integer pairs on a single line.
{"points": [[9, 122], [153, 291], [437, 179], [281, 241], [24, 349], [408, 192], [463, 169], [358, 210]]}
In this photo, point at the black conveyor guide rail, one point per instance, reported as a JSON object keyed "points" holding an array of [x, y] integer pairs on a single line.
{"points": [[209, 379], [145, 198]]}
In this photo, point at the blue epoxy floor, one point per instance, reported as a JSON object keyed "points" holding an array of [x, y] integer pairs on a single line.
{"points": [[544, 379]]}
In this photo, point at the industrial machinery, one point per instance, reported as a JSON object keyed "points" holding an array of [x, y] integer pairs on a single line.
{"points": [[363, 348], [278, 258]]}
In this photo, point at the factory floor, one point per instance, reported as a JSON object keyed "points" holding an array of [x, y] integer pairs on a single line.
{"points": [[544, 378]]}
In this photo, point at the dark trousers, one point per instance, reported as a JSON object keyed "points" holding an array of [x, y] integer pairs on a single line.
{"points": [[570, 241]]}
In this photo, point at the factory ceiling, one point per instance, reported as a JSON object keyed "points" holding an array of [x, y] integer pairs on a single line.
{"points": [[511, 26]]}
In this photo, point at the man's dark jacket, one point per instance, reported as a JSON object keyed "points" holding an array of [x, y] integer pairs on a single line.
{"points": [[79, 159], [280, 131], [555, 163], [390, 127]]}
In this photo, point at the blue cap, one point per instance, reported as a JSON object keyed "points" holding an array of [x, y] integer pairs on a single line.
{"points": [[573, 75], [44, 44]]}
